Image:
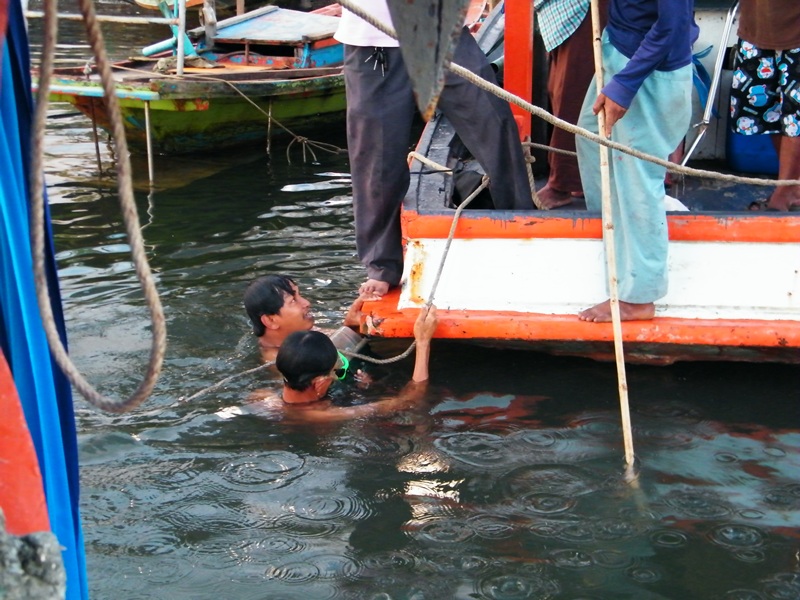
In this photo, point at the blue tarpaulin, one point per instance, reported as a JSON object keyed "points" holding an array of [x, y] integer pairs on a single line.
{"points": [[44, 392]]}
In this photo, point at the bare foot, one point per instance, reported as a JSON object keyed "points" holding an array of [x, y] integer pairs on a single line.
{"points": [[601, 313], [374, 288], [550, 198], [782, 199]]}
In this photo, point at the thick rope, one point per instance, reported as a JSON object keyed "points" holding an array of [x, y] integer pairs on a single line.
{"points": [[225, 381], [670, 166], [130, 216]]}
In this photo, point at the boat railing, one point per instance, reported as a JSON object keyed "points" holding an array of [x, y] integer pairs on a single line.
{"points": [[174, 18]]}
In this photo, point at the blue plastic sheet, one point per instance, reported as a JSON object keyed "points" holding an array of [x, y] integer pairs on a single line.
{"points": [[44, 393]]}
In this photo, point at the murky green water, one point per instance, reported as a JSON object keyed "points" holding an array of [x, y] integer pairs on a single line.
{"points": [[507, 484]]}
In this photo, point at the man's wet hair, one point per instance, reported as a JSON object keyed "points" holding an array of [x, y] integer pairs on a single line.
{"points": [[265, 296], [304, 355]]}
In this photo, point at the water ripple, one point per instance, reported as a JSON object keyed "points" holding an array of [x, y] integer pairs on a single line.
{"points": [[644, 574], [394, 560], [742, 594], [266, 549], [787, 496], [736, 536], [328, 506], [492, 526], [783, 586], [476, 449], [572, 559], [263, 473], [698, 504], [546, 504], [564, 480], [359, 447], [320, 567], [291, 525], [516, 587], [669, 538], [442, 531]]}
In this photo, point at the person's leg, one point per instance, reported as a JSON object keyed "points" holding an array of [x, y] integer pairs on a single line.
{"points": [[380, 110], [588, 151], [786, 198], [486, 125], [787, 144], [571, 70], [662, 108]]}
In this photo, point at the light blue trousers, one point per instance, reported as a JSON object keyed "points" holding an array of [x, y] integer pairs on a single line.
{"points": [[655, 123]]}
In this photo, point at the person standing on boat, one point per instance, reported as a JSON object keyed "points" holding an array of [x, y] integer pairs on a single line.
{"points": [[765, 90], [566, 29], [380, 113], [647, 71]]}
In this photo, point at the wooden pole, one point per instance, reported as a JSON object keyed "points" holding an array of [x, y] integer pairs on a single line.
{"points": [[149, 138], [608, 238]]}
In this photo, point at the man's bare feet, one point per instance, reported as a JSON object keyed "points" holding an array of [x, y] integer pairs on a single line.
{"points": [[601, 313], [374, 288], [549, 198]]}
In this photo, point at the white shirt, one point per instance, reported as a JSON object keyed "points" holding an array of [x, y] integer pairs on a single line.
{"points": [[354, 31]]}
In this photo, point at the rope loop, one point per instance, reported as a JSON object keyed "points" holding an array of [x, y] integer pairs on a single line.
{"points": [[129, 213]]}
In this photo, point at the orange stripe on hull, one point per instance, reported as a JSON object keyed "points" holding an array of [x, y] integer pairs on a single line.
{"points": [[383, 319], [776, 229], [21, 491]]}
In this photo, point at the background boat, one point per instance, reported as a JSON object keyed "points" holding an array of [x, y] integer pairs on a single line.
{"points": [[269, 68], [521, 278]]}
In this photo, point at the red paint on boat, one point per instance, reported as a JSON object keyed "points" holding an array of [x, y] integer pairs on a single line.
{"points": [[21, 492]]}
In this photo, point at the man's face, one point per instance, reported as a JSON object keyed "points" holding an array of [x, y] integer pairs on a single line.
{"points": [[295, 314]]}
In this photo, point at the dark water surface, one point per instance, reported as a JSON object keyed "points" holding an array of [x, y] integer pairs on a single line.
{"points": [[508, 484]]}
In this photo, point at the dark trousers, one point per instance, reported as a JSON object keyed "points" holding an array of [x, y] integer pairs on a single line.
{"points": [[380, 113], [571, 69]]}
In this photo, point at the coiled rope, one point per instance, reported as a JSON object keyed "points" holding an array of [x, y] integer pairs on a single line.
{"points": [[130, 216]]}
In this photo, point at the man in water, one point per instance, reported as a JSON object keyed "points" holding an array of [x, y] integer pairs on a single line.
{"points": [[310, 364], [276, 309]]}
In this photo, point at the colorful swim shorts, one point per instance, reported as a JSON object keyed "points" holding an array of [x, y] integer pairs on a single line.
{"points": [[765, 92]]}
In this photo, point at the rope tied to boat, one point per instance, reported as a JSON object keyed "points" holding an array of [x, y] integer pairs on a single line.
{"points": [[483, 185], [129, 213]]}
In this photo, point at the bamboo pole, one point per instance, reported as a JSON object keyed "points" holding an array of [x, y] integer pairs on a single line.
{"points": [[149, 138], [608, 238]]}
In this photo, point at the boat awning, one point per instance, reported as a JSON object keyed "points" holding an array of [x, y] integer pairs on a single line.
{"points": [[282, 27]]}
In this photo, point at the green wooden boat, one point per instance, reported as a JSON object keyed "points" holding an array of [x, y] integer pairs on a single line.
{"points": [[263, 72]]}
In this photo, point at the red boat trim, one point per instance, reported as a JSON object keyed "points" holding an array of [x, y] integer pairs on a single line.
{"points": [[709, 228], [383, 319], [21, 492]]}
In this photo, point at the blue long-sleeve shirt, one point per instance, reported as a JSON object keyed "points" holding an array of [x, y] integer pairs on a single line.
{"points": [[656, 35]]}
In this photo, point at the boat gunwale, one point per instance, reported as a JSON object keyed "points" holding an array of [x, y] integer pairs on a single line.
{"points": [[383, 318]]}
